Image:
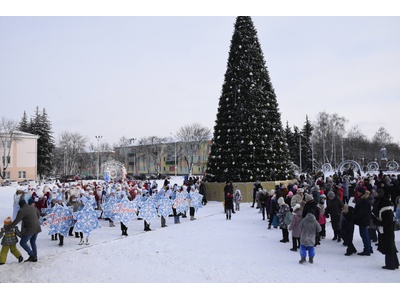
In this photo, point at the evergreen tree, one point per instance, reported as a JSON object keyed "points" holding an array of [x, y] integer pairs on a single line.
{"points": [[306, 147], [24, 125], [249, 141], [41, 126]]}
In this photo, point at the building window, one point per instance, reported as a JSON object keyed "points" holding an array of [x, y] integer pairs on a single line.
{"points": [[22, 174], [6, 175], [8, 160]]}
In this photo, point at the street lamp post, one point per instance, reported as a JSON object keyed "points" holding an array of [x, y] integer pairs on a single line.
{"points": [[98, 137], [175, 167]]}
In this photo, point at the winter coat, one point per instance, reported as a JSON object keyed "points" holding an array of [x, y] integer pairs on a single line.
{"points": [[10, 236], [347, 225], [333, 210], [309, 228], [263, 199], [257, 187], [297, 199], [321, 217], [29, 215], [362, 210], [295, 223], [345, 186], [228, 189], [237, 197], [385, 222], [229, 203], [311, 207], [75, 205], [283, 209]]}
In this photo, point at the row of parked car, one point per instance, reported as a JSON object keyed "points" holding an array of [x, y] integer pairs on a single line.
{"points": [[20, 183]]}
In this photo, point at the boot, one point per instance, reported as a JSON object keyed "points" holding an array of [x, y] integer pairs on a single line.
{"points": [[302, 260], [335, 236], [76, 235], [87, 241], [32, 258], [20, 259], [311, 260], [81, 241]]}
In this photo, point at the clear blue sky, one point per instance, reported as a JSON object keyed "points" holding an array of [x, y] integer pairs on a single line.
{"points": [[135, 76]]}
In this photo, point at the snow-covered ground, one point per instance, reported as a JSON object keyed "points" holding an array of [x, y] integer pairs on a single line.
{"points": [[209, 249]]}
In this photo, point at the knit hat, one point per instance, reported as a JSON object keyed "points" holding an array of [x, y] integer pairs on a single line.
{"points": [[309, 197], [331, 195], [7, 221], [296, 207], [281, 201], [361, 190], [290, 194], [300, 190]]}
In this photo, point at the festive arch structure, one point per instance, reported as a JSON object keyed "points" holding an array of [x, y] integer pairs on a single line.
{"points": [[373, 166], [113, 170], [392, 166], [349, 164], [326, 168]]}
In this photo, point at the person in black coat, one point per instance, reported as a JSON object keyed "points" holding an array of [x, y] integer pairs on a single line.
{"points": [[228, 205], [383, 217], [228, 189], [202, 191], [333, 210], [347, 229], [257, 187], [362, 218], [263, 202]]}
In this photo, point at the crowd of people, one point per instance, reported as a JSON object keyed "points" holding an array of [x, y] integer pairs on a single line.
{"points": [[30, 206], [303, 208]]}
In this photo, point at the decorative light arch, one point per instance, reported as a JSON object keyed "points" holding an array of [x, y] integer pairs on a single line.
{"points": [[392, 166], [373, 166], [327, 168], [113, 168], [347, 164]]}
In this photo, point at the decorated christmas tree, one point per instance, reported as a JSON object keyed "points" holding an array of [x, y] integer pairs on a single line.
{"points": [[249, 142]]}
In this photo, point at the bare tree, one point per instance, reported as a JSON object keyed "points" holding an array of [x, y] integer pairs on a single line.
{"points": [[151, 149], [71, 146], [191, 138], [8, 134], [329, 131], [382, 137]]}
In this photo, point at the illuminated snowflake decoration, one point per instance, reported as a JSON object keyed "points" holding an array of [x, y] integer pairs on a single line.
{"points": [[165, 207], [197, 198], [59, 219], [87, 220], [148, 210]]}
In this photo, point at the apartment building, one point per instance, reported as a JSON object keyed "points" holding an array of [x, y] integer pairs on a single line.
{"points": [[21, 160]]}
